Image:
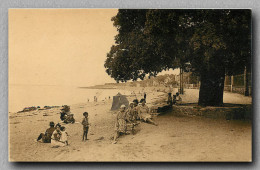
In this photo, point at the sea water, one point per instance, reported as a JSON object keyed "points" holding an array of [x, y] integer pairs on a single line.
{"points": [[21, 96]]}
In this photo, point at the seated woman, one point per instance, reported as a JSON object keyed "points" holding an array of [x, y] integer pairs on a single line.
{"points": [[135, 109], [69, 119], [46, 138], [169, 101], [120, 124], [177, 98], [143, 113], [64, 136], [65, 111], [65, 115], [131, 116], [59, 137]]}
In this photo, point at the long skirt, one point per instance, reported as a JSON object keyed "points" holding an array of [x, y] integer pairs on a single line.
{"points": [[145, 116], [120, 126], [55, 143]]}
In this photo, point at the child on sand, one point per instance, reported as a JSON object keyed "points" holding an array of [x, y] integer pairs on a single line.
{"points": [[64, 136], [85, 126]]}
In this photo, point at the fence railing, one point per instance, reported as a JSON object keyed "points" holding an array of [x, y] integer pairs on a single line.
{"points": [[237, 89]]}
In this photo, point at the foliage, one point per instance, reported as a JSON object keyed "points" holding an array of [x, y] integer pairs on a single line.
{"points": [[150, 41], [214, 42]]}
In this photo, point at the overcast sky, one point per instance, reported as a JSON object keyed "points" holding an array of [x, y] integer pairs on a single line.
{"points": [[60, 46]]}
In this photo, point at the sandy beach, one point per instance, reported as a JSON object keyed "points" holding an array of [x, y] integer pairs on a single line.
{"points": [[176, 138]]}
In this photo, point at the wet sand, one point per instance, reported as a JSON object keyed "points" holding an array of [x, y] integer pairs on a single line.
{"points": [[177, 138]]}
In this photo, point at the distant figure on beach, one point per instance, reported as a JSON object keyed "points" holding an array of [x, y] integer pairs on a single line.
{"points": [[144, 96], [120, 124], [143, 113], [46, 138], [88, 99], [109, 97], [85, 126]]}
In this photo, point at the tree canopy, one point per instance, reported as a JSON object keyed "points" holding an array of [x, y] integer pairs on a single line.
{"points": [[214, 42]]}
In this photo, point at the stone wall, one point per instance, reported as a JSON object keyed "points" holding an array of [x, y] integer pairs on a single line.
{"points": [[235, 112]]}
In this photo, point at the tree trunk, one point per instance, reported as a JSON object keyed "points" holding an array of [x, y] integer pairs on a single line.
{"points": [[246, 82], [211, 88]]}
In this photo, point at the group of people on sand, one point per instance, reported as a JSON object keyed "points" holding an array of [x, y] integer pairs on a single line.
{"points": [[66, 116], [126, 120], [57, 135], [130, 117], [174, 99]]}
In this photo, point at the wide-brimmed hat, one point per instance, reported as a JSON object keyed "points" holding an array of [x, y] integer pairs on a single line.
{"points": [[122, 106]]}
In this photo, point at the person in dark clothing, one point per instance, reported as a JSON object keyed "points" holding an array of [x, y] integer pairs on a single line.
{"points": [[62, 115], [85, 124], [69, 119], [46, 138], [64, 112], [169, 101], [135, 101]]}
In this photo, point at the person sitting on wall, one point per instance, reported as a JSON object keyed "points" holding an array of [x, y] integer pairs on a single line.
{"points": [[177, 98], [169, 101], [144, 113], [135, 108], [131, 114]]}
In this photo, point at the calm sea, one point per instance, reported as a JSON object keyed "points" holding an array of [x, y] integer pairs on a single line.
{"points": [[21, 96]]}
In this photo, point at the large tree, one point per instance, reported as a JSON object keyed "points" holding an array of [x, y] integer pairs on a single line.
{"points": [[215, 42]]}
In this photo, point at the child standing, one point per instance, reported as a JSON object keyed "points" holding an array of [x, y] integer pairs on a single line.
{"points": [[85, 126]]}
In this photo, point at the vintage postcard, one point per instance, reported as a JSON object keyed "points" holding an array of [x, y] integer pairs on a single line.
{"points": [[130, 85]]}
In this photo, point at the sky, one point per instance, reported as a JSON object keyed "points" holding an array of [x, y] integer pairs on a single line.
{"points": [[60, 46]]}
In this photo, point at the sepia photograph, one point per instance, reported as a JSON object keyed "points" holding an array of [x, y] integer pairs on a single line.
{"points": [[129, 85]]}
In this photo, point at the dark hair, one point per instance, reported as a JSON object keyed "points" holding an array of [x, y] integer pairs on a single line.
{"points": [[142, 100], [57, 125], [135, 101], [85, 113], [62, 128], [52, 124]]}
